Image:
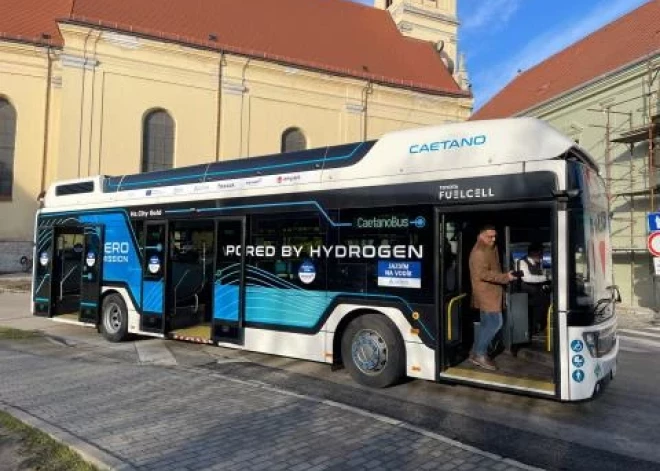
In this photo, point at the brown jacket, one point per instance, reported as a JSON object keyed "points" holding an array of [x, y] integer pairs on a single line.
{"points": [[487, 278]]}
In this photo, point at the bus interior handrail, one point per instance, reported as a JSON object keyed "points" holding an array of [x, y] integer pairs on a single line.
{"points": [[176, 288], [64, 278], [453, 300], [548, 330]]}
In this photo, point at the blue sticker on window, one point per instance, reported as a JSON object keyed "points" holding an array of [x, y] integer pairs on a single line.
{"points": [[154, 264], [399, 274], [44, 259], [90, 259], [307, 272]]}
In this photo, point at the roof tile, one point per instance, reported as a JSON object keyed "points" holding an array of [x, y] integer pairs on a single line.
{"points": [[336, 36], [26, 20]]}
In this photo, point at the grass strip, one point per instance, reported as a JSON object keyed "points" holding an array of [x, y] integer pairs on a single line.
{"points": [[7, 333], [39, 450], [15, 286]]}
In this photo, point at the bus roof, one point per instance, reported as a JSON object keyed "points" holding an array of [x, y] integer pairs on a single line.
{"points": [[435, 148]]}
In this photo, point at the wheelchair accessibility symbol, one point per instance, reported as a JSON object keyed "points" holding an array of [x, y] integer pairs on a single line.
{"points": [[577, 345]]}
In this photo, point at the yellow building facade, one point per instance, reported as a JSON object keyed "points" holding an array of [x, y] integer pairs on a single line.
{"points": [[81, 109]]}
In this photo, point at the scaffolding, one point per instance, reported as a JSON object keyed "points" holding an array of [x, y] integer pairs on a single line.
{"points": [[639, 125]]}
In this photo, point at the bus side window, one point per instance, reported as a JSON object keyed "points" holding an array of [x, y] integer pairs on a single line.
{"points": [[300, 232], [350, 277]]}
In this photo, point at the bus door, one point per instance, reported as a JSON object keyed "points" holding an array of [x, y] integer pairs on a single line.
{"points": [[91, 274], [43, 271], [154, 276], [229, 281], [454, 320], [66, 272]]}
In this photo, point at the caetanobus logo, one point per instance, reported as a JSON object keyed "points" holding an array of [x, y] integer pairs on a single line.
{"points": [[390, 222]]}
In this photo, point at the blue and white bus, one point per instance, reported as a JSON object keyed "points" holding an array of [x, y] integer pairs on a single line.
{"points": [[353, 255]]}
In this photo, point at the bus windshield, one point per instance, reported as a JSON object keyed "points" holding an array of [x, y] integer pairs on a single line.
{"points": [[590, 252]]}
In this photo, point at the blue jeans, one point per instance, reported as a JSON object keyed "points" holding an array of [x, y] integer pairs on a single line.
{"points": [[490, 323]]}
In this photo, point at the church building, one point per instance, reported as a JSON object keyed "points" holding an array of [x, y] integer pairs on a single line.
{"points": [[93, 87]]}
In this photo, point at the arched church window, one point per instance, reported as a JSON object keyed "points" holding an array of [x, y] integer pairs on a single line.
{"points": [[293, 140], [157, 141], [7, 145]]}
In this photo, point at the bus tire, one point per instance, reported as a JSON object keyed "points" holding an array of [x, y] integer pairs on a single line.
{"points": [[114, 318], [373, 351]]}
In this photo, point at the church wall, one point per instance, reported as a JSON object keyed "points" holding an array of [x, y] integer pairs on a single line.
{"points": [[23, 78], [224, 106]]}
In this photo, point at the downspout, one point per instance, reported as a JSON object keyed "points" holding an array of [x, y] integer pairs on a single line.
{"points": [[243, 88], [649, 109], [91, 107], [368, 90], [82, 102], [218, 121], [44, 155]]}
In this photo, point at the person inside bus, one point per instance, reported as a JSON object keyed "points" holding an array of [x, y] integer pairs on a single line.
{"points": [[488, 283], [535, 282]]}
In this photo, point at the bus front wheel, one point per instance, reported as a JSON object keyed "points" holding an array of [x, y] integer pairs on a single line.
{"points": [[114, 318], [373, 352]]}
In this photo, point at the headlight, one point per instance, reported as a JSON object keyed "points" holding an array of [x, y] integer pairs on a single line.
{"points": [[591, 340], [600, 343]]}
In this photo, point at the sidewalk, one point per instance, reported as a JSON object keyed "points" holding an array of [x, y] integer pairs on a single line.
{"points": [[15, 282], [637, 319], [122, 415]]}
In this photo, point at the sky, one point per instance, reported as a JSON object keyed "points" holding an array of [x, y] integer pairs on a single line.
{"points": [[500, 37]]}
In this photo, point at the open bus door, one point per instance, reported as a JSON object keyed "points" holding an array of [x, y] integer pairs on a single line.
{"points": [[91, 274], [229, 281], [454, 298], [43, 271], [522, 363]]}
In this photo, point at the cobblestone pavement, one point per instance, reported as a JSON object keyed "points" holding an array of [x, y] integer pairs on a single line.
{"points": [[130, 416]]}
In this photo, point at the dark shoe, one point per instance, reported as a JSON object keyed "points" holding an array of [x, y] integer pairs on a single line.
{"points": [[484, 362]]}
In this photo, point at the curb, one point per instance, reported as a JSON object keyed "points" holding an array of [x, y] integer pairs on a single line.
{"points": [[88, 452]]}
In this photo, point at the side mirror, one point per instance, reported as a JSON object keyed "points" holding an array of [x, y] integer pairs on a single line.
{"points": [[616, 294]]}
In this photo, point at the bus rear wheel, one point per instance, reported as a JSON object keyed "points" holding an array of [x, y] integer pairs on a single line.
{"points": [[373, 352], [114, 318]]}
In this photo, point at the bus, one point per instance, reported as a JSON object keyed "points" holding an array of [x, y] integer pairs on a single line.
{"points": [[354, 255]]}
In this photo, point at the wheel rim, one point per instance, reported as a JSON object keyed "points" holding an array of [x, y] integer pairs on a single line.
{"points": [[112, 318], [369, 352]]}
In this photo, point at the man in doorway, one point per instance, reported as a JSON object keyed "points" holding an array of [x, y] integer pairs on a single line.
{"points": [[488, 283], [535, 284]]}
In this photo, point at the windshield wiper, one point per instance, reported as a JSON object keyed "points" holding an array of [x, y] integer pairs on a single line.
{"points": [[601, 305]]}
